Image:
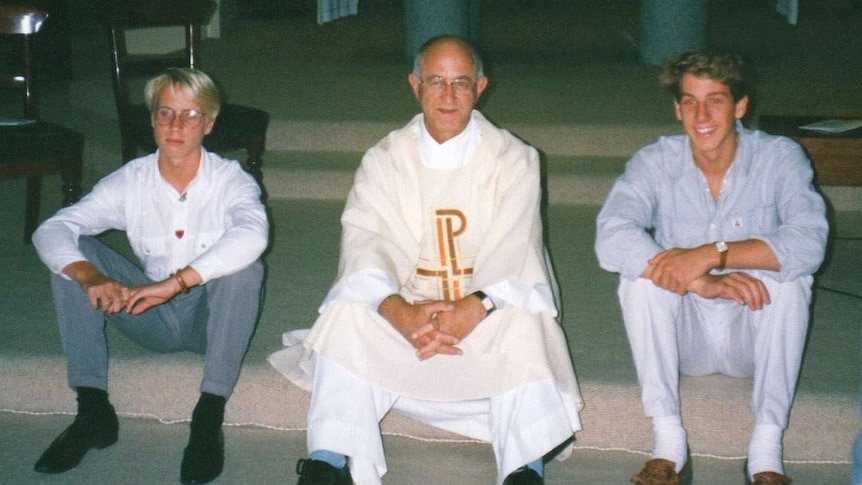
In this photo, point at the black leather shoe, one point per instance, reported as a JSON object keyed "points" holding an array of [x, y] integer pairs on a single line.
{"points": [[524, 476], [89, 430], [315, 472], [203, 458]]}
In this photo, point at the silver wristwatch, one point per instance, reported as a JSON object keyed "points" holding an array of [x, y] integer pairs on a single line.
{"points": [[722, 248]]}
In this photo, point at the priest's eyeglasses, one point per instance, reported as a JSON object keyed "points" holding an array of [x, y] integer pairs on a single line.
{"points": [[189, 118], [461, 85]]}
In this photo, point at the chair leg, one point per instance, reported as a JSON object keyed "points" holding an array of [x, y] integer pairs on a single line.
{"points": [[33, 205], [254, 164], [71, 189]]}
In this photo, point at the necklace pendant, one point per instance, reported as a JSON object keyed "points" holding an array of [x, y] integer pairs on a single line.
{"points": [[179, 233]]}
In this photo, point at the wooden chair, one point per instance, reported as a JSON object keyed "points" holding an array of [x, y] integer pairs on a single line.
{"points": [[30, 147], [237, 127]]}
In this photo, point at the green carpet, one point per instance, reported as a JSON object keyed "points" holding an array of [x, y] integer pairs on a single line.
{"points": [[300, 267]]}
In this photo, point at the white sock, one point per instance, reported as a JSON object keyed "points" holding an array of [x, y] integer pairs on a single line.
{"points": [[764, 449], [670, 440]]}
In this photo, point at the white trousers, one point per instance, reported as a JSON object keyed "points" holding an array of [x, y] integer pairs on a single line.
{"points": [[522, 425], [671, 334]]}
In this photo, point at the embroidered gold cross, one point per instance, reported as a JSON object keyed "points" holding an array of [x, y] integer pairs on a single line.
{"points": [[449, 224]]}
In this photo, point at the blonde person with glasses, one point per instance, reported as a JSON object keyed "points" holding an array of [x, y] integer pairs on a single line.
{"points": [[443, 308], [198, 228]]}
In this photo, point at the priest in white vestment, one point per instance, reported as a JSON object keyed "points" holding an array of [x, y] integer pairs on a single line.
{"points": [[443, 306]]}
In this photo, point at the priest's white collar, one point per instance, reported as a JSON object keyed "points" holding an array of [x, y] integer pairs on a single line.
{"points": [[451, 154]]}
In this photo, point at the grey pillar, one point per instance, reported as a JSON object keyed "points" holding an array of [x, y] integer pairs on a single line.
{"points": [[424, 19], [669, 27]]}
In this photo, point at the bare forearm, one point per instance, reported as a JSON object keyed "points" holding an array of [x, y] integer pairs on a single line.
{"points": [[751, 254], [186, 278], [103, 293], [697, 261], [84, 273], [391, 307]]}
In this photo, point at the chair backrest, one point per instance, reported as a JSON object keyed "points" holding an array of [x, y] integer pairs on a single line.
{"points": [[18, 23], [122, 16]]}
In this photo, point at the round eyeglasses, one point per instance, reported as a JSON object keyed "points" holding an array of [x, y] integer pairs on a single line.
{"points": [[461, 85], [189, 118]]}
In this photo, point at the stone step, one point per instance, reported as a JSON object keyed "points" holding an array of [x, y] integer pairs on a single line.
{"points": [[329, 175], [570, 179], [582, 140], [316, 159], [301, 264], [716, 407]]}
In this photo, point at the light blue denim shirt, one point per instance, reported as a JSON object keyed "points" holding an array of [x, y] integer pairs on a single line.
{"points": [[662, 201]]}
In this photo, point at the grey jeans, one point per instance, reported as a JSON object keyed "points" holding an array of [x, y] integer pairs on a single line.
{"points": [[216, 319]]}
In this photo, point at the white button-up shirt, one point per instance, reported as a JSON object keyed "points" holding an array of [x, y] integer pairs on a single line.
{"points": [[217, 226]]}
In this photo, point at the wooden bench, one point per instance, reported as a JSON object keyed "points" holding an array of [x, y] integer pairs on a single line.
{"points": [[837, 157]]}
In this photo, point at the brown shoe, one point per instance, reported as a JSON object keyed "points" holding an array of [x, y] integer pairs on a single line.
{"points": [[770, 478], [657, 471]]}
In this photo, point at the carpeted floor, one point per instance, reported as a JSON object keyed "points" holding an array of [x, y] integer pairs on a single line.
{"points": [[149, 453], [301, 265], [575, 91]]}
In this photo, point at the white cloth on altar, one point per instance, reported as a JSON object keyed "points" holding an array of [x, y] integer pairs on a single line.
{"points": [[329, 10], [788, 8]]}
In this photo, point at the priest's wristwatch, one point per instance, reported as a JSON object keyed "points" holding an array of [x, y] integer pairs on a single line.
{"points": [[487, 302], [722, 248]]}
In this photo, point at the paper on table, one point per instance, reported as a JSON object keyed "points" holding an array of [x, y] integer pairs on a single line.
{"points": [[16, 121], [834, 126]]}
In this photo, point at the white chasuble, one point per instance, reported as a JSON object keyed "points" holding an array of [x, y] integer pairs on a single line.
{"points": [[442, 234]]}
